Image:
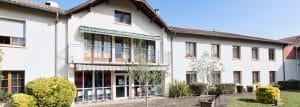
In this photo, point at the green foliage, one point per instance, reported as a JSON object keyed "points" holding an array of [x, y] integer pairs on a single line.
{"points": [[227, 88], [179, 88], [240, 88], [289, 85], [267, 94], [250, 89], [23, 100], [198, 88], [212, 91], [5, 97], [52, 92]]}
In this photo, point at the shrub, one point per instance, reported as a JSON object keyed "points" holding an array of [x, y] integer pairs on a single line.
{"points": [[250, 89], [226, 88], [23, 100], [267, 94], [52, 92], [212, 91], [240, 88], [198, 88], [178, 89], [5, 97], [289, 85]]}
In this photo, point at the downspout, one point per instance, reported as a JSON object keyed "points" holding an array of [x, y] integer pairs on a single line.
{"points": [[55, 46], [283, 67], [172, 72]]}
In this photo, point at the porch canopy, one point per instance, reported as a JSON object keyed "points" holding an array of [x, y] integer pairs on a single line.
{"points": [[116, 67], [85, 29]]}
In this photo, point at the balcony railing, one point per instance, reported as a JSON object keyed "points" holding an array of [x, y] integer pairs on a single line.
{"points": [[79, 53]]}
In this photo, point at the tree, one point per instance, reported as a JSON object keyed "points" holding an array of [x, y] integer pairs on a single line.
{"points": [[142, 72], [205, 66]]}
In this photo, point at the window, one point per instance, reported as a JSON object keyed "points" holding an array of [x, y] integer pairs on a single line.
{"points": [[272, 77], [144, 49], [122, 17], [12, 81], [271, 54], [255, 53], [215, 50], [237, 77], [12, 32], [97, 48], [122, 49], [255, 76], [191, 77], [190, 49], [236, 52], [216, 77]]}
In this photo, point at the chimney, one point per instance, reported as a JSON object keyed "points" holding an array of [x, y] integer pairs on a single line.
{"points": [[156, 11], [52, 4]]}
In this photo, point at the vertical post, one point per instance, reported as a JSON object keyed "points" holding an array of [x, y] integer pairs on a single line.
{"points": [[93, 85], [113, 85], [132, 47], [113, 57]]}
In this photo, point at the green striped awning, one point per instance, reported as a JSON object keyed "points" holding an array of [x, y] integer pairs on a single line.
{"points": [[85, 29]]}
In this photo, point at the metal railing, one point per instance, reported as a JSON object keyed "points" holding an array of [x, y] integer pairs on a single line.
{"points": [[79, 53]]}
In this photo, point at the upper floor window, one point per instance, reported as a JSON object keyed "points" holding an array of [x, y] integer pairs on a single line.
{"points": [[215, 50], [190, 49], [122, 17], [271, 54], [12, 32], [236, 52], [255, 53]]}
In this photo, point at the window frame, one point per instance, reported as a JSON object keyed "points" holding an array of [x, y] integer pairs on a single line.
{"points": [[187, 50], [274, 54], [258, 77], [10, 79], [122, 17], [189, 75], [257, 53], [240, 77], [272, 77], [218, 51], [214, 74], [11, 38], [233, 52]]}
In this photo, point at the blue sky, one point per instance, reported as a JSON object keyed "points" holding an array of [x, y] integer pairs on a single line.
{"points": [[272, 19]]}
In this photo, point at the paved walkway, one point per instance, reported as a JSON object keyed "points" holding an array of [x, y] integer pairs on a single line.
{"points": [[153, 102]]}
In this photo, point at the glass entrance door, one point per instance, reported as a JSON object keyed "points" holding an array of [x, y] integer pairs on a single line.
{"points": [[122, 86]]}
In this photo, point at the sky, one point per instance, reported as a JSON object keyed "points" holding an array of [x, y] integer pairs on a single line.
{"points": [[273, 19]]}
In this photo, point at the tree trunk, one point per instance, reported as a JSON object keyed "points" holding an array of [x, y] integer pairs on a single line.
{"points": [[147, 94]]}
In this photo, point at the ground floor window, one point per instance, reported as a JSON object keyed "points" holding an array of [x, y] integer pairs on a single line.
{"points": [[12, 81], [93, 85], [255, 77], [272, 76], [216, 77], [237, 77], [191, 77]]}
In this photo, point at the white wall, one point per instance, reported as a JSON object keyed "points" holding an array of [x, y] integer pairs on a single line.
{"points": [[37, 57], [291, 72], [245, 64]]}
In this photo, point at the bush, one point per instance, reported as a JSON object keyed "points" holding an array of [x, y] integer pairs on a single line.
{"points": [[212, 91], [289, 85], [240, 88], [227, 88], [250, 89], [5, 97], [198, 88], [52, 92], [267, 94], [23, 100], [178, 89]]}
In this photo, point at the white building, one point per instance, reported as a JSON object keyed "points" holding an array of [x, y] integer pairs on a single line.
{"points": [[94, 44]]}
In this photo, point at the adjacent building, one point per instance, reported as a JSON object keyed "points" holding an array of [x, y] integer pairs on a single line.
{"points": [[95, 43]]}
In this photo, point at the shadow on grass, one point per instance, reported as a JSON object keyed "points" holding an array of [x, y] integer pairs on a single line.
{"points": [[247, 100]]}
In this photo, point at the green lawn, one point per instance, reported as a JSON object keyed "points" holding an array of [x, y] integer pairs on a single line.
{"points": [[289, 99]]}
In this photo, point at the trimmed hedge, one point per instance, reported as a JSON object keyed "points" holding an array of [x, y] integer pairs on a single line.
{"points": [[23, 100], [267, 94], [52, 92], [198, 88], [227, 88], [289, 85], [179, 89]]}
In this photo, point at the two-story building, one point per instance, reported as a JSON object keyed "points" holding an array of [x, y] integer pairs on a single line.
{"points": [[95, 43]]}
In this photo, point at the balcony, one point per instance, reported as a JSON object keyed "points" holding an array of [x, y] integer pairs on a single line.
{"points": [[79, 53]]}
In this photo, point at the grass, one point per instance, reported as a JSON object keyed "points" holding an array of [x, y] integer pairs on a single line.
{"points": [[289, 99]]}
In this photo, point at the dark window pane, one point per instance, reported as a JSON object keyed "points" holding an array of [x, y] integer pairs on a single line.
{"points": [[4, 83], [107, 79], [88, 79], [4, 40], [20, 82], [98, 79], [78, 79]]}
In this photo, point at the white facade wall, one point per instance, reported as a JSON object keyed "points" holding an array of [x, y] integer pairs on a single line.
{"points": [[246, 65], [292, 72], [37, 57]]}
